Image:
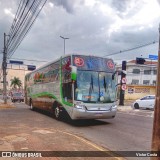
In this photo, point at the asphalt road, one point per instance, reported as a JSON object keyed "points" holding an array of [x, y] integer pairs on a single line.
{"points": [[129, 131]]}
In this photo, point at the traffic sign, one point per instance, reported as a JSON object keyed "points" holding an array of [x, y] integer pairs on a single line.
{"points": [[124, 80], [153, 57], [124, 87]]}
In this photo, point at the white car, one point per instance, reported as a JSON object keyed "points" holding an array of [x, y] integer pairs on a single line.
{"points": [[147, 102]]}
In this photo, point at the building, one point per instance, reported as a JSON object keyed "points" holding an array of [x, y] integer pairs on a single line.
{"points": [[141, 78], [13, 71]]}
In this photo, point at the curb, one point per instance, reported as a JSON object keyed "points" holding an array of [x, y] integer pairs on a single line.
{"points": [[6, 106], [124, 108]]}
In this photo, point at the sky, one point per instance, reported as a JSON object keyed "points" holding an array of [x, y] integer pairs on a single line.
{"points": [[94, 27]]}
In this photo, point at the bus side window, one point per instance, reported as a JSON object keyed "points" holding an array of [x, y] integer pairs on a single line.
{"points": [[67, 91]]}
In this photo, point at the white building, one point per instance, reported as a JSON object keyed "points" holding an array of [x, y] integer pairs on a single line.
{"points": [[140, 74]]}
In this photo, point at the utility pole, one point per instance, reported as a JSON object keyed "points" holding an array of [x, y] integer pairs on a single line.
{"points": [[123, 85], [156, 121], [4, 65], [64, 42]]}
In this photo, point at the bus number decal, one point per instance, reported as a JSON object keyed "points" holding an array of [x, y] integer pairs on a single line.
{"points": [[79, 61], [110, 64]]}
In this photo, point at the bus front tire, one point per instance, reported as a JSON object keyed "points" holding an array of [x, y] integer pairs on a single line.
{"points": [[57, 113]]}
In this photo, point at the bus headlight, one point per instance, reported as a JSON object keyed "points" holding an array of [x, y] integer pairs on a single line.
{"points": [[78, 106], [114, 106]]}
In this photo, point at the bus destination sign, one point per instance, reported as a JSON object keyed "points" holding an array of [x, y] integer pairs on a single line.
{"points": [[93, 63]]}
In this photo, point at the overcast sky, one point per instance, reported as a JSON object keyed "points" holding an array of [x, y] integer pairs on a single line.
{"points": [[94, 27]]}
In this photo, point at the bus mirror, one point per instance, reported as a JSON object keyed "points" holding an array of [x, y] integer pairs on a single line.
{"points": [[73, 72], [116, 72], [113, 76]]}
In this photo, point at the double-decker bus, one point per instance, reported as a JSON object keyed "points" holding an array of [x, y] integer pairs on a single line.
{"points": [[84, 87]]}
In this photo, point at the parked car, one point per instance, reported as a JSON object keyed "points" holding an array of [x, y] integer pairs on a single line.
{"points": [[147, 102], [8, 96], [18, 96]]}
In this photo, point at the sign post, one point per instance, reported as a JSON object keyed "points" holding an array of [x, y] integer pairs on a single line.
{"points": [[123, 86], [156, 121]]}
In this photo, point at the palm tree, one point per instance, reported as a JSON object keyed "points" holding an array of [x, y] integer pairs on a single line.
{"points": [[16, 82]]}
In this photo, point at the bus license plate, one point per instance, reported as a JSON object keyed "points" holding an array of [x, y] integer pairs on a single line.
{"points": [[98, 114]]}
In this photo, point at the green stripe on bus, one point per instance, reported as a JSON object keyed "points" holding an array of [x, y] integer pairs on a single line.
{"points": [[45, 94], [49, 95]]}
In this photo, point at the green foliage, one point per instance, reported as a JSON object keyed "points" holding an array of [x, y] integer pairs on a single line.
{"points": [[16, 82]]}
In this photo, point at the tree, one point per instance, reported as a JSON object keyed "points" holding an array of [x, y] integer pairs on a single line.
{"points": [[16, 82]]}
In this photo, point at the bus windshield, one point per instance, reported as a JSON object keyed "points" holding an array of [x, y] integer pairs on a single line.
{"points": [[95, 87]]}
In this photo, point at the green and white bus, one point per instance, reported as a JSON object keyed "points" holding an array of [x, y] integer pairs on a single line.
{"points": [[84, 87]]}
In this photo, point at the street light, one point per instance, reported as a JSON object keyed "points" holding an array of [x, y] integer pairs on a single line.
{"points": [[64, 42]]}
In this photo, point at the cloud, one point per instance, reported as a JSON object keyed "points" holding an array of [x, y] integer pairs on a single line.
{"points": [[9, 12], [96, 27], [68, 5]]}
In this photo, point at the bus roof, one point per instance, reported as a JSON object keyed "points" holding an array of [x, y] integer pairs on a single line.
{"points": [[45, 65]]}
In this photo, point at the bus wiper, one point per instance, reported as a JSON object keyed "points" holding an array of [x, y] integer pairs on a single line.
{"points": [[92, 83], [90, 88], [104, 83]]}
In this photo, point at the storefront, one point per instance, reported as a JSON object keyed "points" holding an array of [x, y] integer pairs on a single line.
{"points": [[138, 91]]}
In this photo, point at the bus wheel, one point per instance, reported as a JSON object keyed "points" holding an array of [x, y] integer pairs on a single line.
{"points": [[57, 112]]}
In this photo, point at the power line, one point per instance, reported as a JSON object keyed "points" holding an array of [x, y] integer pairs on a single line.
{"points": [[20, 6], [17, 23], [144, 45], [27, 30], [130, 49], [22, 24], [28, 60], [28, 11]]}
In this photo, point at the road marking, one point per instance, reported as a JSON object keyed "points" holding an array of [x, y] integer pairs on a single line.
{"points": [[42, 131], [84, 140], [91, 144]]}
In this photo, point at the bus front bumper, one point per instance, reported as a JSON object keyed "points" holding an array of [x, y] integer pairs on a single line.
{"points": [[86, 114]]}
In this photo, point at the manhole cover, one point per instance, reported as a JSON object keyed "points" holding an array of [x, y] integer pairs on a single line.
{"points": [[1, 142]]}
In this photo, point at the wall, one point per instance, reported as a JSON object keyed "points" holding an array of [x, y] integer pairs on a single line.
{"points": [[138, 91]]}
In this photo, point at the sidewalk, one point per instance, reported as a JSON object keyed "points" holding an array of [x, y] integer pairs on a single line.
{"points": [[124, 108], [127, 106], [8, 105]]}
